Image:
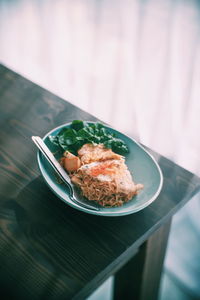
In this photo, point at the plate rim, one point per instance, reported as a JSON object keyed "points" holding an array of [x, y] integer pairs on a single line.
{"points": [[102, 212]]}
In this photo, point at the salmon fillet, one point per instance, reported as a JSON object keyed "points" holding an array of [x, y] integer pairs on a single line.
{"points": [[89, 153]]}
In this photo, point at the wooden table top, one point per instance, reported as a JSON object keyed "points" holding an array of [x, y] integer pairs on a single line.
{"points": [[49, 250]]}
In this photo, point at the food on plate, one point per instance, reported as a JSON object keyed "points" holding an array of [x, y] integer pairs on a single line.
{"points": [[70, 162], [107, 181], [103, 176], [89, 153], [80, 133], [94, 167]]}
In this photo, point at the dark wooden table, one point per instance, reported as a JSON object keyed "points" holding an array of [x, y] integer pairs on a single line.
{"points": [[49, 250]]}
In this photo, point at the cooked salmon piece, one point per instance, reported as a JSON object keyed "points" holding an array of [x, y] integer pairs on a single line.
{"points": [[89, 153]]}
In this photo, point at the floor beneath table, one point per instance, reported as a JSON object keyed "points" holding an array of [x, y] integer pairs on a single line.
{"points": [[169, 290], [143, 59]]}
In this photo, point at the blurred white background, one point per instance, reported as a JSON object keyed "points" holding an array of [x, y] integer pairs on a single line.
{"points": [[132, 63]]}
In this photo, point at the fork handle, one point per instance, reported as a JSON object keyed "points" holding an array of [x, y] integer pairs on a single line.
{"points": [[51, 159]]}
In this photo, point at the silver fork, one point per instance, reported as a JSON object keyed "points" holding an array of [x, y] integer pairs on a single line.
{"points": [[73, 195]]}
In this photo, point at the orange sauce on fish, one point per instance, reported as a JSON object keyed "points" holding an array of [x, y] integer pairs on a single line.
{"points": [[102, 169]]}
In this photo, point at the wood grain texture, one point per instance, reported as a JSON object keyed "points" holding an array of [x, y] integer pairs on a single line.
{"points": [[47, 249]]}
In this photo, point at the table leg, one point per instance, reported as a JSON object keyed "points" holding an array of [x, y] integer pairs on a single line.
{"points": [[140, 277]]}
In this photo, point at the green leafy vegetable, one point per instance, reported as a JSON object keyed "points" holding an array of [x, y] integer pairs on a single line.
{"points": [[77, 124], [80, 133]]}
